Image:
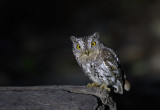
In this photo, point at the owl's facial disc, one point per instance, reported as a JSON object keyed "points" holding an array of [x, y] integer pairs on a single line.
{"points": [[86, 48]]}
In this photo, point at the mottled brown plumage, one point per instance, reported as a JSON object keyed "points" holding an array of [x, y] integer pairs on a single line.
{"points": [[99, 63]]}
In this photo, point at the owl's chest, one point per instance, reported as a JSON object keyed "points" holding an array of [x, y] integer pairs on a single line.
{"points": [[96, 67], [97, 72]]}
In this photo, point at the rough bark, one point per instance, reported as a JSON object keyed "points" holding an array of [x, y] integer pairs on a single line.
{"points": [[55, 98]]}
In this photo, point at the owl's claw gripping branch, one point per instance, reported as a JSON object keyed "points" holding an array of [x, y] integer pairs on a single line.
{"points": [[92, 85], [104, 86], [88, 85]]}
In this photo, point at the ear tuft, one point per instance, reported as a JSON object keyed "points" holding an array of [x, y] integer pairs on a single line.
{"points": [[96, 35], [73, 38]]}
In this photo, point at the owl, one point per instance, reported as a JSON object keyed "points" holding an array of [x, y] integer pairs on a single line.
{"points": [[99, 63]]}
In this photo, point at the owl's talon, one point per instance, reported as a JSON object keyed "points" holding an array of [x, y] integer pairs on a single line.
{"points": [[92, 85], [104, 86], [88, 85], [95, 84]]}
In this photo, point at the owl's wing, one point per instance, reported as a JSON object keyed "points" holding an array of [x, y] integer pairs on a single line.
{"points": [[112, 61]]}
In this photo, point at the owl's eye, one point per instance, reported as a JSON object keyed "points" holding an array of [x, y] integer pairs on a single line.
{"points": [[78, 46], [93, 43]]}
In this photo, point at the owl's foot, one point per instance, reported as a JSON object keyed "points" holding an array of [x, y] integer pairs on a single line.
{"points": [[104, 86], [92, 85]]}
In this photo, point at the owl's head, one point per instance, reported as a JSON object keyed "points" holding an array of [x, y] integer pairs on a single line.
{"points": [[86, 48]]}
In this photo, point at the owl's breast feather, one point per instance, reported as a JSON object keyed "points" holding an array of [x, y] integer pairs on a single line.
{"points": [[97, 71], [103, 70], [87, 67]]}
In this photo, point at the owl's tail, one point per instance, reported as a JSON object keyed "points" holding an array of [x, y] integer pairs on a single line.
{"points": [[127, 85]]}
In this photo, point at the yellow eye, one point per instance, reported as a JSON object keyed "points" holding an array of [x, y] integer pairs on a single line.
{"points": [[93, 43], [78, 46]]}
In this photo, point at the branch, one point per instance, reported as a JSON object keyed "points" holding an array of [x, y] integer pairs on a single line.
{"points": [[54, 98]]}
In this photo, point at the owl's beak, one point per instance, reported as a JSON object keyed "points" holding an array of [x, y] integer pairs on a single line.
{"points": [[87, 52]]}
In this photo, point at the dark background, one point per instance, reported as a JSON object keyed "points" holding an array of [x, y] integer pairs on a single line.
{"points": [[35, 48]]}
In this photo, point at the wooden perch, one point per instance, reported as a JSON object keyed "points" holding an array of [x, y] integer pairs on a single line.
{"points": [[55, 98]]}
